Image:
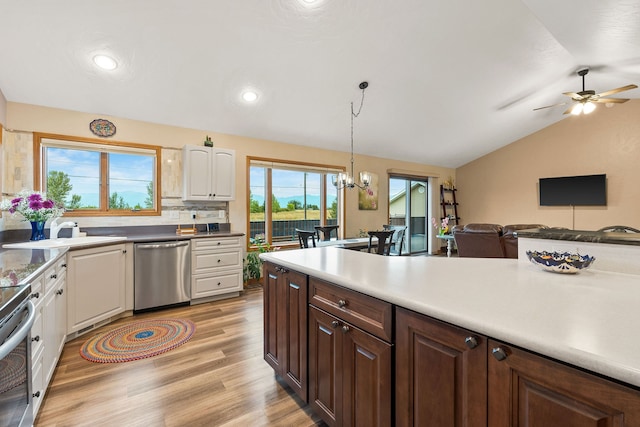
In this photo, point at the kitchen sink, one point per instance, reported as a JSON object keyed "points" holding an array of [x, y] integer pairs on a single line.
{"points": [[64, 242]]}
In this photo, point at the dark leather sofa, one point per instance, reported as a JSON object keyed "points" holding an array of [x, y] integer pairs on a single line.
{"points": [[510, 242], [481, 240]]}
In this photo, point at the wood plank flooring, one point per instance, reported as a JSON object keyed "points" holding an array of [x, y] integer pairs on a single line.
{"points": [[218, 378]]}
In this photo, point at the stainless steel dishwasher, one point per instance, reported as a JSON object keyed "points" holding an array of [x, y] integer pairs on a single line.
{"points": [[162, 274]]}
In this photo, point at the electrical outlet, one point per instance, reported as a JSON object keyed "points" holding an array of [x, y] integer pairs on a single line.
{"points": [[194, 214], [221, 214]]}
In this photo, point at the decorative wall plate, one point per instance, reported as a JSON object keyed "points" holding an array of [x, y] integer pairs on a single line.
{"points": [[102, 127]]}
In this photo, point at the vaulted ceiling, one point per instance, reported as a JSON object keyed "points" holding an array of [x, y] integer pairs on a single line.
{"points": [[449, 81]]}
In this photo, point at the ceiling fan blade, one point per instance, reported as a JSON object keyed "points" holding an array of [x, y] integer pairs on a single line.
{"points": [[574, 95], [549, 106], [612, 100], [617, 90], [568, 111]]}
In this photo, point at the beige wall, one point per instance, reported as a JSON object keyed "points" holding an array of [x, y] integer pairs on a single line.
{"points": [[3, 109], [22, 117], [502, 187]]}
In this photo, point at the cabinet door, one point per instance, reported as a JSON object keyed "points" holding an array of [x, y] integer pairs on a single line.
{"points": [[366, 379], [96, 285], [61, 313], [325, 362], [197, 175], [528, 390], [223, 174], [295, 351], [440, 379], [273, 318]]}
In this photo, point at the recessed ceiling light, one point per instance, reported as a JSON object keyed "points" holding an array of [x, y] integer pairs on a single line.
{"points": [[105, 62], [249, 96]]}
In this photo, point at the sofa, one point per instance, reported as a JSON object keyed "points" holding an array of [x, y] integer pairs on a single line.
{"points": [[483, 240], [510, 242]]}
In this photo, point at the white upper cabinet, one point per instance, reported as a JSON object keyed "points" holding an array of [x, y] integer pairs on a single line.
{"points": [[208, 173]]}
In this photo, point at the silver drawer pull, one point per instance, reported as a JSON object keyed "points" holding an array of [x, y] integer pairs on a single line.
{"points": [[342, 303]]}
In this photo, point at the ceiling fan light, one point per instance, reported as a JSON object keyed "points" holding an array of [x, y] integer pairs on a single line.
{"points": [[588, 107], [577, 109]]}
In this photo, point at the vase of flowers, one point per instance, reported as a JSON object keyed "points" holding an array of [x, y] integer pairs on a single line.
{"points": [[443, 227], [35, 208]]}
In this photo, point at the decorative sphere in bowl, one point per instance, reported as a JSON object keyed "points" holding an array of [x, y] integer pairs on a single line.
{"points": [[560, 262]]}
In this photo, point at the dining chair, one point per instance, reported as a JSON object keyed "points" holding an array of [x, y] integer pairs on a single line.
{"points": [[304, 236], [397, 241], [383, 244], [326, 231]]}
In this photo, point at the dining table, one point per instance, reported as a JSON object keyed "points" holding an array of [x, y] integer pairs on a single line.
{"points": [[353, 243]]}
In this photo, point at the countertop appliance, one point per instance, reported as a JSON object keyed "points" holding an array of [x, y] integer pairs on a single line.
{"points": [[162, 274], [17, 315]]}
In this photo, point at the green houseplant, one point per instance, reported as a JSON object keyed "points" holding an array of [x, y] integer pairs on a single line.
{"points": [[252, 268]]}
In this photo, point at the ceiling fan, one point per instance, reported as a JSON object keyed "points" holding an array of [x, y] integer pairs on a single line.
{"points": [[585, 101]]}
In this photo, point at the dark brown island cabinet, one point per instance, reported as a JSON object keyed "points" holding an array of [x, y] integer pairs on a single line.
{"points": [[370, 363], [285, 325]]}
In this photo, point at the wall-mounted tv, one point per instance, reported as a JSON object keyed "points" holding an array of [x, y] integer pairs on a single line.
{"points": [[585, 190]]}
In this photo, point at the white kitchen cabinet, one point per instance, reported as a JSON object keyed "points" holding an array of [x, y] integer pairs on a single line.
{"points": [[96, 279], [208, 173], [48, 333], [216, 267]]}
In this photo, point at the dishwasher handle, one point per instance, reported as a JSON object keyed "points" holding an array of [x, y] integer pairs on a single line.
{"points": [[161, 245]]}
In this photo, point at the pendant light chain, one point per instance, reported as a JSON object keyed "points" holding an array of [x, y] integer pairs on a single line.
{"points": [[352, 117], [345, 179]]}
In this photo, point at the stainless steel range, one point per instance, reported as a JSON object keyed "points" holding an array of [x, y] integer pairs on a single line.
{"points": [[17, 314]]}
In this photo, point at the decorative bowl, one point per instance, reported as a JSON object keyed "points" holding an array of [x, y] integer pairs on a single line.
{"points": [[560, 262]]}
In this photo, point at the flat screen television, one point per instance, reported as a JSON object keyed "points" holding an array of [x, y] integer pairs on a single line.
{"points": [[585, 190]]}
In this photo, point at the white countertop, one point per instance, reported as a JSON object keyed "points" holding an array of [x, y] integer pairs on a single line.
{"points": [[587, 319]]}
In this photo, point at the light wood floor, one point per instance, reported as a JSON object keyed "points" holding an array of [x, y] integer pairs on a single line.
{"points": [[218, 378]]}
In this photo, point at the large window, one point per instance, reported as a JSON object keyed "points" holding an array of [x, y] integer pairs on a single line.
{"points": [[285, 196], [95, 177]]}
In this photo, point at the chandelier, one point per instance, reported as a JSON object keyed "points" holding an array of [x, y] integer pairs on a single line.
{"points": [[346, 179]]}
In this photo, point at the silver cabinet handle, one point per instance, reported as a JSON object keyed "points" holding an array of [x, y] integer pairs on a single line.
{"points": [[59, 291], [342, 303], [499, 354], [345, 328], [36, 338], [335, 323], [471, 342]]}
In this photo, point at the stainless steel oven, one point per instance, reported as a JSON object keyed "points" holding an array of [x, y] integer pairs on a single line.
{"points": [[17, 314]]}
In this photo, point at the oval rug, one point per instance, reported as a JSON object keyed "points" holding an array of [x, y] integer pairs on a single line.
{"points": [[138, 340]]}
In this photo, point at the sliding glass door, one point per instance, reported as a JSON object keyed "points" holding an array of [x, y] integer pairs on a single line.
{"points": [[408, 206]]}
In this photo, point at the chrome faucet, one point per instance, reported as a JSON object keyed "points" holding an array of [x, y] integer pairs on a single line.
{"points": [[54, 228]]}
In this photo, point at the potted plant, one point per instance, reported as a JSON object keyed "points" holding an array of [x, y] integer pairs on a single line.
{"points": [[252, 269]]}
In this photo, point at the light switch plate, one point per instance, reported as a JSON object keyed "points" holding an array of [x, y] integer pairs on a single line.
{"points": [[220, 214]]}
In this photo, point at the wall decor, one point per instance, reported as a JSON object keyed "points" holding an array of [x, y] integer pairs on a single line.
{"points": [[103, 128], [368, 196]]}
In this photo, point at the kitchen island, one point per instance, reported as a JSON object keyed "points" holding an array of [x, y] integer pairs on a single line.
{"points": [[584, 320]]}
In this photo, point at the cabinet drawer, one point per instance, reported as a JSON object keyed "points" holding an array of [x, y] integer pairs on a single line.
{"points": [[212, 285], [49, 277], [37, 338], [207, 261], [368, 313], [218, 242], [37, 291]]}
